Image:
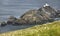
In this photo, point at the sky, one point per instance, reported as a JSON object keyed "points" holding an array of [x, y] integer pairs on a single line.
{"points": [[19, 7]]}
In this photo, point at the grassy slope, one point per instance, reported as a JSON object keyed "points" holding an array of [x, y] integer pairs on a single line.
{"points": [[50, 29]]}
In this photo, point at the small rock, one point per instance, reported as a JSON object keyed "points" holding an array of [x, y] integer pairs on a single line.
{"points": [[3, 24]]}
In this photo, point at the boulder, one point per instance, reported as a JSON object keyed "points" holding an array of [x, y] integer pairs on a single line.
{"points": [[3, 24], [11, 20]]}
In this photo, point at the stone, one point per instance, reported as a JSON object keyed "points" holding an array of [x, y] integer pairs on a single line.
{"points": [[3, 24]]}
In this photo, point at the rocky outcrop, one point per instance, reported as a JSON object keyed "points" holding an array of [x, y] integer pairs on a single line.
{"points": [[42, 15], [11, 20], [58, 14]]}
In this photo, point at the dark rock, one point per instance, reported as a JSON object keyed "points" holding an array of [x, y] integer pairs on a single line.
{"points": [[11, 20], [18, 22], [3, 24]]}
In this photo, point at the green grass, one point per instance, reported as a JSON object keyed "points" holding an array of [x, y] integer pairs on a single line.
{"points": [[49, 29]]}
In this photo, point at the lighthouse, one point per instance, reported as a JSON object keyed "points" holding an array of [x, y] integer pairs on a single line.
{"points": [[46, 5]]}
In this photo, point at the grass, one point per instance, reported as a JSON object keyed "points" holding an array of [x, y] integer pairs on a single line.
{"points": [[49, 29]]}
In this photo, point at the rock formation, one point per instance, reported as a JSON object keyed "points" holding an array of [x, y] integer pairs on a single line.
{"points": [[42, 15]]}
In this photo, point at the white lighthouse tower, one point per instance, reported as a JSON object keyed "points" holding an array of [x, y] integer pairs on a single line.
{"points": [[46, 5]]}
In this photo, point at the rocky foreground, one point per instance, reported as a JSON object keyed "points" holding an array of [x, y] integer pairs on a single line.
{"points": [[42, 15]]}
